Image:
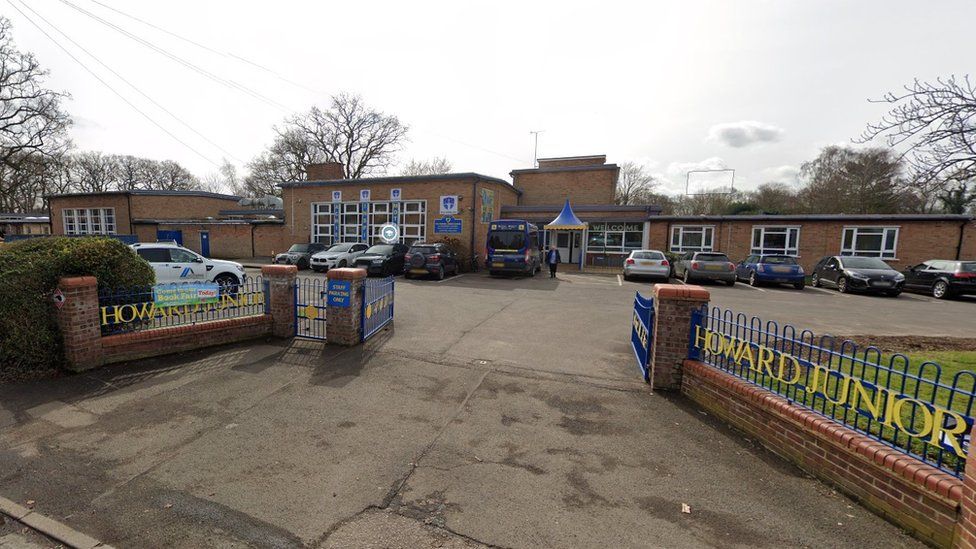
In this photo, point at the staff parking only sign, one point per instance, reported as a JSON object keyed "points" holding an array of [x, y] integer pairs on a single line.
{"points": [[339, 292]]}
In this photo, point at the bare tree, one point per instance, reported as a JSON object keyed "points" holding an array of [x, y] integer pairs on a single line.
{"points": [[362, 139], [92, 172], [434, 166], [634, 185], [932, 125], [774, 198]]}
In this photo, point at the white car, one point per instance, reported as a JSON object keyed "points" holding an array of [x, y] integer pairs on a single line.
{"points": [[647, 263], [340, 255], [174, 263]]}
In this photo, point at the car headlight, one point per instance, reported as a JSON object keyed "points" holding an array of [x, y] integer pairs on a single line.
{"points": [[899, 277], [859, 276]]}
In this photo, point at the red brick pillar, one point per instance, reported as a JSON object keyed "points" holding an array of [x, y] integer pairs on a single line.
{"points": [[344, 325], [79, 322], [673, 305], [965, 536], [281, 285]]}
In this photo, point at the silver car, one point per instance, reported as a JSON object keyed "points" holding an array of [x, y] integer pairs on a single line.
{"points": [[705, 266], [339, 255], [647, 263]]}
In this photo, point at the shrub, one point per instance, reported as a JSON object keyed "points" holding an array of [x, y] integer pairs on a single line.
{"points": [[30, 341], [460, 250]]}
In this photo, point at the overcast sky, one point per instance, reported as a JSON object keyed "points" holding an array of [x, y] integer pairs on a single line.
{"points": [[758, 86]]}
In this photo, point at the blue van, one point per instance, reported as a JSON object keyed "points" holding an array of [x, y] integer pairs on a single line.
{"points": [[513, 247]]}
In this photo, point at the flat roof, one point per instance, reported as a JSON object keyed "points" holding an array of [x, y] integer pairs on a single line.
{"points": [[141, 192], [399, 179], [270, 211], [583, 208], [24, 217], [586, 168], [207, 221], [817, 217]]}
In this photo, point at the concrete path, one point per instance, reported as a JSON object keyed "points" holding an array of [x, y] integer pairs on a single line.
{"points": [[489, 415]]}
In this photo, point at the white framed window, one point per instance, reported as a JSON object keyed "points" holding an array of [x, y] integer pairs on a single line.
{"points": [[870, 242], [413, 221], [614, 237], [350, 222], [322, 222], [85, 221], [692, 238], [776, 240]]}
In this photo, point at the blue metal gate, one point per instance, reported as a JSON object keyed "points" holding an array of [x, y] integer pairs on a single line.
{"points": [[310, 307], [377, 305], [642, 333]]}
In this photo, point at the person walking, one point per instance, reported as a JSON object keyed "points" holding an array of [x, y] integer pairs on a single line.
{"points": [[553, 259]]}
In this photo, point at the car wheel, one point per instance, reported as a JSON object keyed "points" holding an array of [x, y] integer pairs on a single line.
{"points": [[842, 285], [799, 285], [492, 273], [730, 282], [940, 290], [815, 280], [342, 263], [686, 278], [752, 280], [627, 277], [440, 272], [228, 284]]}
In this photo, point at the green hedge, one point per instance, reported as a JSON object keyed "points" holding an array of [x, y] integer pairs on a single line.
{"points": [[30, 342]]}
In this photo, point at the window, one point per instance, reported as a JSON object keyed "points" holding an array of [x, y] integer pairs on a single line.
{"points": [[322, 222], [154, 255], [776, 240], [615, 237], [82, 221], [182, 256], [695, 238], [870, 241]]}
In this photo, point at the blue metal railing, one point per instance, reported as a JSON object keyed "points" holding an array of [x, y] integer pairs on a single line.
{"points": [[134, 309], [377, 305], [907, 406]]}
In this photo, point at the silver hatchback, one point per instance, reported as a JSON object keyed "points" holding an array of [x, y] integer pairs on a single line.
{"points": [[647, 263], [705, 266]]}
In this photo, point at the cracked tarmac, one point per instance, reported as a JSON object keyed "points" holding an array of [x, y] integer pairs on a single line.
{"points": [[503, 413]]}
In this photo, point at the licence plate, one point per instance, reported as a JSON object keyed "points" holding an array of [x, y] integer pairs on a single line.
{"points": [[714, 267], [498, 264], [643, 262], [881, 283], [781, 269], [418, 271]]}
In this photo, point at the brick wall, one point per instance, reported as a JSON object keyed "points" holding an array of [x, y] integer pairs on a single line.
{"points": [[179, 207], [117, 201], [226, 240], [673, 305], [136, 345], [544, 187], [344, 324], [145, 232], [917, 240], [79, 324], [298, 204], [915, 496], [573, 161], [325, 171]]}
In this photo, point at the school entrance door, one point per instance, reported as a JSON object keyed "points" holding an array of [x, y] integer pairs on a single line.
{"points": [[569, 244]]}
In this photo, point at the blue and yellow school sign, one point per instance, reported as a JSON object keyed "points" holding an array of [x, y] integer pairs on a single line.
{"points": [[640, 332], [925, 421], [168, 303]]}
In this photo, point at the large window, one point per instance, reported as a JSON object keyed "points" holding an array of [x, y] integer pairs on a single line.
{"points": [[692, 238], [334, 222], [614, 237], [870, 241], [82, 221], [776, 240]]}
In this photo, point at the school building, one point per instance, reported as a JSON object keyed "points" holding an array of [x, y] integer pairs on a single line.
{"points": [[330, 208]]}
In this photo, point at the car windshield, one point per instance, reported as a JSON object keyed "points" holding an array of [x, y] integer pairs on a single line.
{"points": [[712, 257], [648, 255], [340, 248], [298, 248], [967, 267], [507, 240], [778, 260], [382, 249], [423, 250], [864, 263]]}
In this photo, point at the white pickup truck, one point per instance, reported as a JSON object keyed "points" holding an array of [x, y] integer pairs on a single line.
{"points": [[174, 263]]}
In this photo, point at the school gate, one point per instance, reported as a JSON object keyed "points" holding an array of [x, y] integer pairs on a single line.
{"points": [[314, 298]]}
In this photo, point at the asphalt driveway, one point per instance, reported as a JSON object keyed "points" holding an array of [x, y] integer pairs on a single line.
{"points": [[500, 412]]}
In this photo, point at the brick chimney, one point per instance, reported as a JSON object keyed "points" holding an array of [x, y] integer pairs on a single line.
{"points": [[325, 171]]}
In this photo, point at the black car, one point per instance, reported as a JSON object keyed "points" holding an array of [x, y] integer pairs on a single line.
{"points": [[857, 274], [942, 278], [299, 254], [435, 259], [382, 259]]}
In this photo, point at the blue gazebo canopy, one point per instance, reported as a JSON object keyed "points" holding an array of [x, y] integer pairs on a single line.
{"points": [[566, 220]]}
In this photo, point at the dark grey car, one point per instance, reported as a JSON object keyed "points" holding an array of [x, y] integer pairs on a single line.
{"points": [[705, 266]]}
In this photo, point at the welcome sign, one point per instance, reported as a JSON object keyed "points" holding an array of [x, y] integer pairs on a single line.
{"points": [[174, 295], [925, 421]]}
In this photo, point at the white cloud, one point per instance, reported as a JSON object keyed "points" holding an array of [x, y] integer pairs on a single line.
{"points": [[744, 133], [780, 174]]}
